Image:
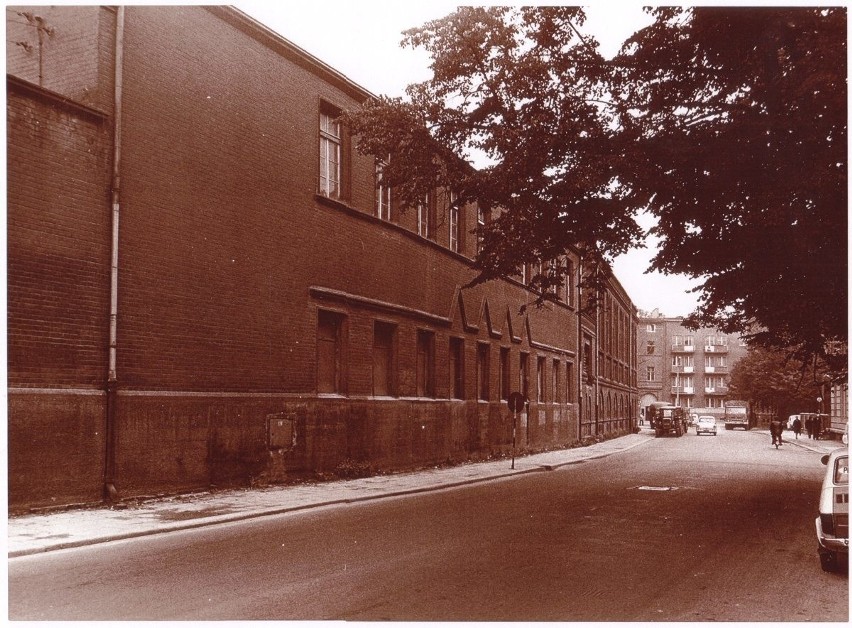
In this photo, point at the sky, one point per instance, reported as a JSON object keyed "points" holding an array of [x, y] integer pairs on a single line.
{"points": [[361, 40]]}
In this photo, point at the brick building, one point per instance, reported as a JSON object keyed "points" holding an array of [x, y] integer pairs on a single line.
{"points": [[690, 368], [207, 287]]}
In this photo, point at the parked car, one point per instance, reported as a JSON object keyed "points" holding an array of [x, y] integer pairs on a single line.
{"points": [[832, 524], [705, 425]]}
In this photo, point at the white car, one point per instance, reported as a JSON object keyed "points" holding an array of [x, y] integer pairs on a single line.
{"points": [[705, 425], [832, 524]]}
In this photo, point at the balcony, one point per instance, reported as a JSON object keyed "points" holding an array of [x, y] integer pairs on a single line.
{"points": [[644, 384], [716, 369], [681, 348], [715, 348], [683, 390], [682, 369], [715, 390]]}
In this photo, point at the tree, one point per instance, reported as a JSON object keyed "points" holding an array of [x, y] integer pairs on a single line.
{"points": [[769, 379], [727, 124], [738, 125], [519, 88]]}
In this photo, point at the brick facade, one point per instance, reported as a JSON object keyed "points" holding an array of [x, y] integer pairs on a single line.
{"points": [[687, 367], [228, 261]]}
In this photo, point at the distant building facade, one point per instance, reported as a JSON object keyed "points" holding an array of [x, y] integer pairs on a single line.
{"points": [[689, 368], [206, 285]]}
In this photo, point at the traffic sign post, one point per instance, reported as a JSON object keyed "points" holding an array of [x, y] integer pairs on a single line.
{"points": [[516, 404]]}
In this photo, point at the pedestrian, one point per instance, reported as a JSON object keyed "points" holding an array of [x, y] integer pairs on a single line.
{"points": [[797, 427], [817, 427], [775, 428], [809, 426]]}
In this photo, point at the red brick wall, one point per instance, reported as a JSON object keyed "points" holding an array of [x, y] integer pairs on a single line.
{"points": [[226, 255]]}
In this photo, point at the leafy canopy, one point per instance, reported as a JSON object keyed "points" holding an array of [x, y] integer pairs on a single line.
{"points": [[727, 124], [771, 380]]}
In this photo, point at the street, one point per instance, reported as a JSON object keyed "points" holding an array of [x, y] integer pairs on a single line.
{"points": [[697, 528]]}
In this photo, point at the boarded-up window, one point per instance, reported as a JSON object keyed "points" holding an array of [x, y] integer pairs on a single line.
{"points": [[524, 375], [456, 368], [483, 371], [425, 363], [329, 326], [383, 371], [505, 381]]}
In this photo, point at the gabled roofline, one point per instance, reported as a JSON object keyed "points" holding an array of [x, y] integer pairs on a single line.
{"points": [[289, 51]]}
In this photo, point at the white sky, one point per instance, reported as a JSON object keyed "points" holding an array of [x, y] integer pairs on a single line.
{"points": [[361, 40]]}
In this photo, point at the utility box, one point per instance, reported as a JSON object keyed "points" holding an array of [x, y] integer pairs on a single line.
{"points": [[281, 431]]}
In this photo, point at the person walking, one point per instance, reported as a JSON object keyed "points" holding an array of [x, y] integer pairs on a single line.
{"points": [[775, 428], [797, 427], [809, 426]]}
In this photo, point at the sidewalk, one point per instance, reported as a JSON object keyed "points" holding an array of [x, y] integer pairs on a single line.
{"points": [[31, 534]]}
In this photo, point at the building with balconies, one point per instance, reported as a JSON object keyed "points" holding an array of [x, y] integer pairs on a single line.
{"points": [[686, 367]]}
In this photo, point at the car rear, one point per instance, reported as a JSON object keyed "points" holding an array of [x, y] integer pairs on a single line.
{"points": [[832, 524]]}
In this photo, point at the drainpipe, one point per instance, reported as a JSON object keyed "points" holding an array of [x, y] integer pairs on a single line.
{"points": [[110, 493], [596, 355], [580, 353]]}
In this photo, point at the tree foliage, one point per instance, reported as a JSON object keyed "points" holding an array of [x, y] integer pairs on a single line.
{"points": [[737, 119], [727, 124], [771, 380]]}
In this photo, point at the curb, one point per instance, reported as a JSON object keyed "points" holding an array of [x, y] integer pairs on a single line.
{"points": [[236, 517]]}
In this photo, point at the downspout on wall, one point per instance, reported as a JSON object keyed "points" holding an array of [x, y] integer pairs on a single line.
{"points": [[580, 349], [110, 493]]}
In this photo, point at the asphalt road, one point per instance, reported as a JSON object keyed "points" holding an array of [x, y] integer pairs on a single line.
{"points": [[680, 529]]}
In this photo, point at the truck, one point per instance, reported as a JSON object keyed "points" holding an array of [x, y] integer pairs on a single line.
{"points": [[667, 419], [737, 414]]}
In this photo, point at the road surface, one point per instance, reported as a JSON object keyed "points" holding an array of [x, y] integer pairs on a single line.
{"points": [[697, 528]]}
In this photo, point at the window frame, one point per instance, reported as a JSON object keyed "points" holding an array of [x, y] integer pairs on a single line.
{"points": [[384, 199], [329, 124]]}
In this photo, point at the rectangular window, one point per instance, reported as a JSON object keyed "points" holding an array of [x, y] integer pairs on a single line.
{"points": [[383, 348], [652, 327], [483, 371], [331, 154], [569, 282], [505, 378], [456, 368], [425, 219], [455, 238], [569, 382], [554, 270], [383, 194], [524, 375], [650, 347], [425, 363], [555, 378], [480, 228], [540, 381], [329, 352], [687, 341], [651, 374]]}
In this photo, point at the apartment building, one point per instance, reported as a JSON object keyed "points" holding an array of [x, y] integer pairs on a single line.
{"points": [[207, 286], [689, 368]]}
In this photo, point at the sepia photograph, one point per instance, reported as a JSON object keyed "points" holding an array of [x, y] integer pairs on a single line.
{"points": [[380, 311]]}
